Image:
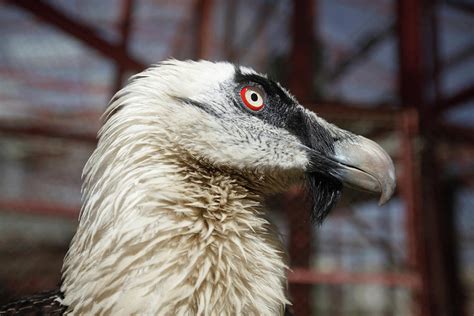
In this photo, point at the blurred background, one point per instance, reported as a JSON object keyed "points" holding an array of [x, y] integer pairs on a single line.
{"points": [[399, 72]]}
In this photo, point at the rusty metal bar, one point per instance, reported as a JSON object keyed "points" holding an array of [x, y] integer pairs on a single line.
{"points": [[299, 247], [301, 84], [412, 92], [307, 276], [456, 133], [51, 83], [204, 25], [410, 184], [457, 99], [125, 22], [301, 55], [81, 31], [410, 52], [410, 191], [440, 292], [39, 208]]}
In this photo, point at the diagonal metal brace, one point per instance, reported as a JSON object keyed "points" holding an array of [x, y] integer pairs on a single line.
{"points": [[80, 31]]}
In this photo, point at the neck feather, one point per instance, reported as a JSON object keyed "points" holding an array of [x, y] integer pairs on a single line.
{"points": [[160, 234]]}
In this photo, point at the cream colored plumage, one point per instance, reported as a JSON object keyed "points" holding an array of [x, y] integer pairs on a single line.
{"points": [[159, 232]]}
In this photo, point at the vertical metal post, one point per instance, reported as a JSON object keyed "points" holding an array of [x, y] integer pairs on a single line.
{"points": [[410, 191], [300, 83], [299, 247], [203, 28], [410, 52], [430, 228], [124, 25], [412, 92], [301, 58]]}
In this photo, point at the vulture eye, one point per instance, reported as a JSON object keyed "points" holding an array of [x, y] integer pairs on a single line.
{"points": [[252, 97]]}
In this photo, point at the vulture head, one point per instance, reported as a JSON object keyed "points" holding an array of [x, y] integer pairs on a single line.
{"points": [[172, 219], [230, 118]]}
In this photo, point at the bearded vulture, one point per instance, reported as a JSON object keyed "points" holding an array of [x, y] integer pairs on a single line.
{"points": [[173, 221]]}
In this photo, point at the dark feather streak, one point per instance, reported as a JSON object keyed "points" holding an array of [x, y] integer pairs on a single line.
{"points": [[40, 304], [324, 192]]}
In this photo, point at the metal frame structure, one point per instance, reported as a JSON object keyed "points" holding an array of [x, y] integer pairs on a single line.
{"points": [[431, 275]]}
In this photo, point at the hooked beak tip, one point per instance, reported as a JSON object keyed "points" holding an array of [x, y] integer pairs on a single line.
{"points": [[365, 165], [388, 187]]}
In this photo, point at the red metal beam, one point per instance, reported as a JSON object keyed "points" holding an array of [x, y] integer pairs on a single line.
{"points": [[441, 294], [457, 99], [412, 89], [79, 30], [39, 208], [301, 55], [204, 26], [307, 276], [410, 185], [457, 133], [125, 22], [410, 191], [51, 83], [300, 240], [301, 84], [410, 52]]}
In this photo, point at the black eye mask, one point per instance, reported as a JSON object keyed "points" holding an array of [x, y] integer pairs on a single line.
{"points": [[283, 111]]}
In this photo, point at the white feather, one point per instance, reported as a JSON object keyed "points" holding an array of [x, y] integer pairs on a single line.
{"points": [[165, 228]]}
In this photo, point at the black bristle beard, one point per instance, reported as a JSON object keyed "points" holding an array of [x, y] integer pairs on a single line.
{"points": [[323, 192]]}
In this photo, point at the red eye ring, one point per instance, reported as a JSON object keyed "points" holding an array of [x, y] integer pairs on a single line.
{"points": [[252, 98]]}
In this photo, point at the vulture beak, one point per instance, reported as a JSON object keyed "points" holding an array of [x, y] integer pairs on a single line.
{"points": [[338, 157], [363, 164]]}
